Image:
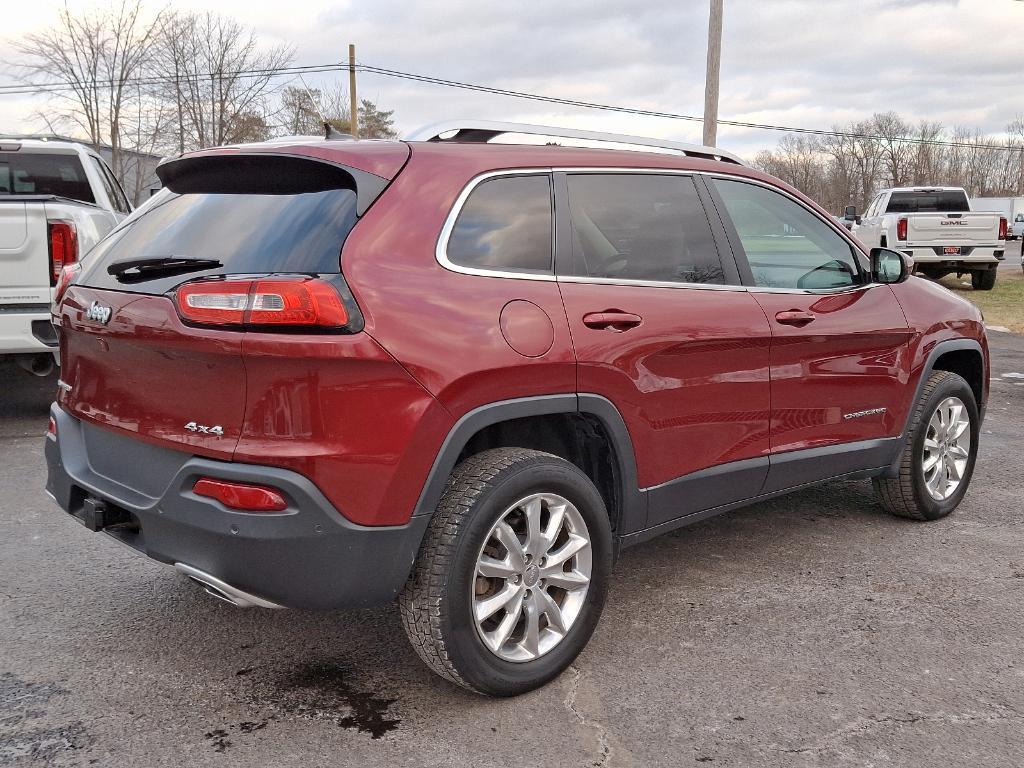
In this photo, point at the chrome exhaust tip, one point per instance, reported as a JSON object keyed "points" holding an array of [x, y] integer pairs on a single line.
{"points": [[222, 590]]}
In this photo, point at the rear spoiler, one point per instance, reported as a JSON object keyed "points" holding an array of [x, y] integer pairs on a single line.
{"points": [[266, 173]]}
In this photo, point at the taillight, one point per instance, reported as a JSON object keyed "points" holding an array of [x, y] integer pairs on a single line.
{"points": [[270, 303], [66, 277], [901, 229], [241, 496], [51, 429], [63, 245], [1002, 228]]}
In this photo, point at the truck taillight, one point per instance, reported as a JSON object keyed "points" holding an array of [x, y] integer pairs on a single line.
{"points": [[62, 237], [901, 229], [270, 304], [1002, 227]]}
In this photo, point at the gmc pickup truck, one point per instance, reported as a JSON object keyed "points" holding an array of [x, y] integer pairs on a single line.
{"points": [[57, 200], [937, 229]]}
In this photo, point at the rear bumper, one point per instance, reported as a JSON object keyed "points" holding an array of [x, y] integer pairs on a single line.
{"points": [[975, 255], [26, 331], [308, 556]]}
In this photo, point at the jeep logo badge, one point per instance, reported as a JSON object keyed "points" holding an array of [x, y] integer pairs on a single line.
{"points": [[98, 313]]}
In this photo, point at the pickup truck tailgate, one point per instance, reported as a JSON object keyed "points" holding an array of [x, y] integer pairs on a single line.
{"points": [[24, 261], [952, 228]]}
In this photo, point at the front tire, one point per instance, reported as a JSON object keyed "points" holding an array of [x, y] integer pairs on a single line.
{"points": [[512, 575], [938, 459]]}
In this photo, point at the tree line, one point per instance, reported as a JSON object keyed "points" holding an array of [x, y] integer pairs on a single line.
{"points": [[169, 82], [888, 151]]}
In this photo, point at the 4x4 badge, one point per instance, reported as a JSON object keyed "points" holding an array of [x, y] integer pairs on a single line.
{"points": [[202, 429]]}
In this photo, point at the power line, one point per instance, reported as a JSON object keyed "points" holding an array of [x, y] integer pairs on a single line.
{"points": [[16, 89]]}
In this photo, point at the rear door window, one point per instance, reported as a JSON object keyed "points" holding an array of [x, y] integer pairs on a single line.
{"points": [[949, 201], [646, 227], [505, 225], [24, 173], [786, 245]]}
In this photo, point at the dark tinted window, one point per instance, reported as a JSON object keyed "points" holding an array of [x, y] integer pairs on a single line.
{"points": [[505, 225], [786, 245], [641, 227], [247, 234], [39, 174], [953, 201]]}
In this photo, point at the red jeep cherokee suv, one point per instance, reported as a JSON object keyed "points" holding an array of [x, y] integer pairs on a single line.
{"points": [[465, 374]]}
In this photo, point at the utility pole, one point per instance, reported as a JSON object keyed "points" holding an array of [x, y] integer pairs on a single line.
{"points": [[353, 104], [714, 66]]}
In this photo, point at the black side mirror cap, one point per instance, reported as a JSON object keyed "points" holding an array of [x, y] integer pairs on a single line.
{"points": [[890, 267], [850, 212]]}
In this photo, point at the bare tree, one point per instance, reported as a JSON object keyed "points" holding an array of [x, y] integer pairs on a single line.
{"points": [[97, 54], [218, 78], [850, 167]]}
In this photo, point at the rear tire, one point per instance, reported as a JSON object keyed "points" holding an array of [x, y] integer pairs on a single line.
{"points": [[983, 281], [484, 522], [933, 452]]}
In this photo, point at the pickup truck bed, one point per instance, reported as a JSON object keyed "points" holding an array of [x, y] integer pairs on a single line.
{"points": [[56, 202]]}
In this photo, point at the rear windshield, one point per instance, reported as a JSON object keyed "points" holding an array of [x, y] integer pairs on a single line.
{"points": [[242, 233], [44, 174], [952, 201]]}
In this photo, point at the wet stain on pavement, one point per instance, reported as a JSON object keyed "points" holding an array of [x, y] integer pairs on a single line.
{"points": [[22, 702], [330, 691]]}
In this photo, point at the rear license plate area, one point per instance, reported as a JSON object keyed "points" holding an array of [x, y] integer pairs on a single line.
{"points": [[951, 250]]}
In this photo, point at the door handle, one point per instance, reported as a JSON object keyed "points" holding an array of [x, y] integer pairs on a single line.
{"points": [[611, 320], [796, 317]]}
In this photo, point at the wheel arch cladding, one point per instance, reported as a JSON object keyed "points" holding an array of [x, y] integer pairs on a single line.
{"points": [[964, 357], [586, 430]]}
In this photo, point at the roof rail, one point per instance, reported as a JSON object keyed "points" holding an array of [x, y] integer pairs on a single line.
{"points": [[485, 130]]}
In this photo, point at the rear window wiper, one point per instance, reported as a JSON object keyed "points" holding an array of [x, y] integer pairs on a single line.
{"points": [[140, 270]]}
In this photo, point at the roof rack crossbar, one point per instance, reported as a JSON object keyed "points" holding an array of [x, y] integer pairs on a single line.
{"points": [[484, 130]]}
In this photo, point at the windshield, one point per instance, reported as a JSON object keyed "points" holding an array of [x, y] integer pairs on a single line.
{"points": [[44, 174], [943, 201], [233, 233]]}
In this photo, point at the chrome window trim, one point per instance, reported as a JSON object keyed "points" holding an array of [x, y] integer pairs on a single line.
{"points": [[441, 249]]}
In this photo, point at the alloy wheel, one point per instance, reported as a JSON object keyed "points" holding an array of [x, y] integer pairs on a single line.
{"points": [[532, 576], [947, 448]]}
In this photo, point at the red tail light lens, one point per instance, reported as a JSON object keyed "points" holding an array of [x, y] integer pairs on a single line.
{"points": [[63, 245], [293, 302], [67, 275], [282, 302], [241, 496], [901, 229], [1002, 228], [218, 302], [51, 429]]}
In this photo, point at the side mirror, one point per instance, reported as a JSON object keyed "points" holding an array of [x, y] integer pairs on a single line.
{"points": [[889, 267], [850, 212]]}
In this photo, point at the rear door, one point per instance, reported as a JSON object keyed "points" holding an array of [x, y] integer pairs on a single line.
{"points": [[663, 330], [128, 359], [838, 341]]}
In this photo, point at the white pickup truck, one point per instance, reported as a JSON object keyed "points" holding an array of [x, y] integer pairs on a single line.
{"points": [[57, 199], [937, 229]]}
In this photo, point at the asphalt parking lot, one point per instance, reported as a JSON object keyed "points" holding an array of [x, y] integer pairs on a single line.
{"points": [[811, 630]]}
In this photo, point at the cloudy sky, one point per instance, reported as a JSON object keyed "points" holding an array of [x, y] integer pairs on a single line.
{"points": [[810, 63]]}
